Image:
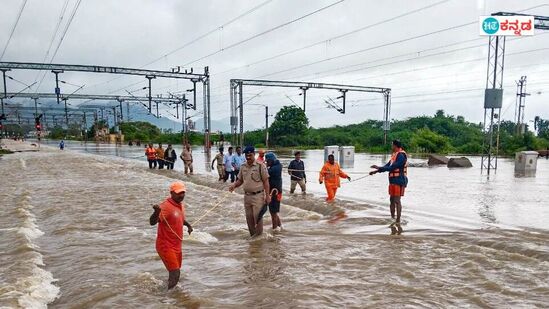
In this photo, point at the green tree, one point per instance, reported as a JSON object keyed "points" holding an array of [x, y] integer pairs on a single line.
{"points": [[425, 140], [289, 127]]}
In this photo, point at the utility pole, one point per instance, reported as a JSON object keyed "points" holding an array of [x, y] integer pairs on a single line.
{"points": [[304, 89], [85, 128], [266, 126], [57, 89], [66, 112], [520, 104], [150, 77], [35, 106]]}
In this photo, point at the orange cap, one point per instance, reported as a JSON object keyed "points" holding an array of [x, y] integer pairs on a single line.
{"points": [[177, 187]]}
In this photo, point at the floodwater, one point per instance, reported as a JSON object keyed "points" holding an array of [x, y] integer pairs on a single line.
{"points": [[74, 233]]}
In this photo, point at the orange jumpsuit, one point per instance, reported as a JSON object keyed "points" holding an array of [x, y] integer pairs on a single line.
{"points": [[330, 175], [169, 235]]}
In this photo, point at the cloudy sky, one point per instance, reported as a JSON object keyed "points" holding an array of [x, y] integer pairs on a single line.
{"points": [[428, 52]]}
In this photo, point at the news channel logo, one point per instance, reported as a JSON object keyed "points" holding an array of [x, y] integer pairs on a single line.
{"points": [[518, 25]]}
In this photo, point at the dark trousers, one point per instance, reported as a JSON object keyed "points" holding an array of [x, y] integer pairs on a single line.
{"points": [[152, 163], [160, 164], [169, 165], [231, 174]]}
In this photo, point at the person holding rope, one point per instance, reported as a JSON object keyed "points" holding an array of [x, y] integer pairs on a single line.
{"points": [[150, 152], [275, 187], [169, 157], [160, 156], [330, 174], [296, 169], [398, 178], [254, 179], [220, 166], [187, 157], [170, 216]]}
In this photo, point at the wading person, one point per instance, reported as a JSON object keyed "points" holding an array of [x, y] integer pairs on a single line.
{"points": [[187, 157], [254, 179], [275, 182], [238, 160], [329, 175], [260, 156], [296, 169], [220, 166], [150, 152], [398, 177], [160, 156], [170, 216], [228, 162], [61, 145], [170, 157]]}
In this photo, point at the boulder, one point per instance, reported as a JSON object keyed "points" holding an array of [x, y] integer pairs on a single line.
{"points": [[459, 162], [417, 164], [437, 160]]}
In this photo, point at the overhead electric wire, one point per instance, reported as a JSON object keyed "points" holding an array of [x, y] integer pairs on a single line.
{"points": [[255, 8], [265, 32], [200, 37], [54, 35], [64, 33], [411, 59], [66, 29], [13, 28], [335, 37]]}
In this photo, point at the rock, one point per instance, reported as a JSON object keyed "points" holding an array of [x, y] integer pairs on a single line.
{"points": [[417, 164], [437, 160], [459, 162]]}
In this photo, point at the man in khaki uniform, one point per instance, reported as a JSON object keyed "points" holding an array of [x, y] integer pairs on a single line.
{"points": [[254, 179], [220, 165], [187, 157]]}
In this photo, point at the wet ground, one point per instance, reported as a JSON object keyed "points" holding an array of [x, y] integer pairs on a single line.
{"points": [[75, 234]]}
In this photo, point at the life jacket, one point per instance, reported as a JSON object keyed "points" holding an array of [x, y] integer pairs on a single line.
{"points": [[151, 153], [400, 171]]}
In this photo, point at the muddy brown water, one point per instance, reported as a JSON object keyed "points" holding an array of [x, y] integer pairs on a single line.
{"points": [[74, 234]]}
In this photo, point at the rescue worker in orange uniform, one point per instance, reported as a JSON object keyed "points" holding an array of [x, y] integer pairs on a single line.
{"points": [[398, 177], [150, 152], [261, 156], [329, 175], [170, 216]]}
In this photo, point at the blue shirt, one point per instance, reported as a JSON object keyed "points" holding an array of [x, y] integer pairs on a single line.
{"points": [[399, 163], [228, 162], [238, 160]]}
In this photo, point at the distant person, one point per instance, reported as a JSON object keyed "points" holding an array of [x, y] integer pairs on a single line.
{"points": [[130, 143], [254, 179], [296, 169], [221, 139], [62, 145], [220, 165], [275, 188], [170, 157], [160, 156], [398, 178], [329, 175], [261, 156], [228, 162], [187, 157], [150, 152], [170, 216], [238, 160]]}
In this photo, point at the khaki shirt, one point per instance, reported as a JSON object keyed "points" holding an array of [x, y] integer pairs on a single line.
{"points": [[253, 176], [219, 158], [186, 155]]}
